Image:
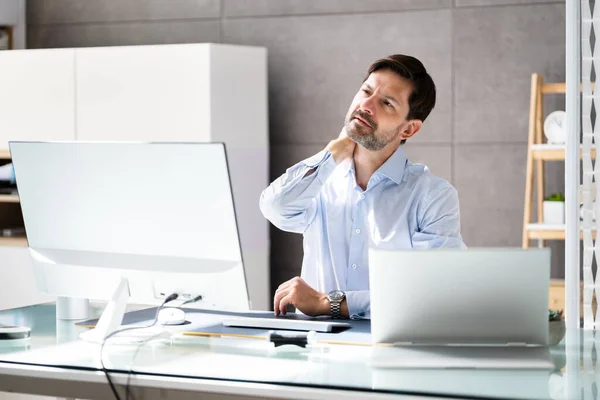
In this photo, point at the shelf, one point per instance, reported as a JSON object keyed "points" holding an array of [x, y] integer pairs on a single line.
{"points": [[10, 29], [13, 241], [9, 198], [549, 232], [559, 87], [552, 152], [554, 87]]}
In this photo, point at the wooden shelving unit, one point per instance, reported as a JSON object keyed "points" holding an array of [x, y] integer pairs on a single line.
{"points": [[13, 241], [549, 232], [11, 37], [551, 152], [11, 215], [10, 30], [9, 198], [12, 19], [538, 153]]}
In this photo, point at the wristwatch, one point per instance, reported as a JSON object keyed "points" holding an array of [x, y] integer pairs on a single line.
{"points": [[335, 298]]}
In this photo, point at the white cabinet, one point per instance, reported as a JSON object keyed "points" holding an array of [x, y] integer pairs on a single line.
{"points": [[148, 93], [37, 99], [189, 93], [162, 93], [18, 279]]}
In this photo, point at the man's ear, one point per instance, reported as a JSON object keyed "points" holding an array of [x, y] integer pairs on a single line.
{"points": [[412, 127]]}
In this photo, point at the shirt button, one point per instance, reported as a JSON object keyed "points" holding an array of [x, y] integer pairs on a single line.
{"points": [[362, 196], [353, 266], [357, 230]]}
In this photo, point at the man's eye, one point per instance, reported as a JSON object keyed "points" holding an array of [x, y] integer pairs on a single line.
{"points": [[366, 91], [388, 104]]}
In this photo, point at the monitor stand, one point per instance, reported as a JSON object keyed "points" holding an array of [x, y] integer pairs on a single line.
{"points": [[71, 308], [112, 318]]}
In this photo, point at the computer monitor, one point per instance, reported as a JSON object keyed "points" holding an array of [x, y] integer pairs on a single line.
{"points": [[131, 222]]}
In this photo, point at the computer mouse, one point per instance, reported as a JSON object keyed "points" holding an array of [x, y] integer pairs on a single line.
{"points": [[171, 316]]}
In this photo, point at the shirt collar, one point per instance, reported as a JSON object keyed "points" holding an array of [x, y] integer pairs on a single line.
{"points": [[392, 168]]}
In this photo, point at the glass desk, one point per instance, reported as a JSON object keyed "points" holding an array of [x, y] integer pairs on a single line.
{"points": [[54, 361]]}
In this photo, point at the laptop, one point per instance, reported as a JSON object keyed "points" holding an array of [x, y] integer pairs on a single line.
{"points": [[460, 308]]}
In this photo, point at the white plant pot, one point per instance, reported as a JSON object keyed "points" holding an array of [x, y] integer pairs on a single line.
{"points": [[554, 212]]}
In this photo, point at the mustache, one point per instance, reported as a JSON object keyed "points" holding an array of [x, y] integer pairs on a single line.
{"points": [[365, 117]]}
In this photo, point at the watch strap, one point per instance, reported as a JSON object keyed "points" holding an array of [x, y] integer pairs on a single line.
{"points": [[335, 308]]}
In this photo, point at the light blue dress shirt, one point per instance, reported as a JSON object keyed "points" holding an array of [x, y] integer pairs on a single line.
{"points": [[404, 206]]}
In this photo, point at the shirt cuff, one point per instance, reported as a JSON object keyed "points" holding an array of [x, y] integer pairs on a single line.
{"points": [[323, 162], [359, 304]]}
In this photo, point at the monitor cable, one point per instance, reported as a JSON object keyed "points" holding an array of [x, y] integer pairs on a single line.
{"points": [[131, 372], [112, 386]]}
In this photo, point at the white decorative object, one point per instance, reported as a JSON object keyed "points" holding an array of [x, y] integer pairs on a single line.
{"points": [[554, 212], [555, 127]]}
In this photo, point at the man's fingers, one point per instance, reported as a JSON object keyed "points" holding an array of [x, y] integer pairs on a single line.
{"points": [[284, 303], [285, 284], [285, 293], [279, 294], [276, 299]]}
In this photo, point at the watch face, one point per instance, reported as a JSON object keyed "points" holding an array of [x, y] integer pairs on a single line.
{"points": [[336, 295]]}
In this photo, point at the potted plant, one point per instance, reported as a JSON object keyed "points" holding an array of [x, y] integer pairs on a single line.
{"points": [[554, 209], [557, 326]]}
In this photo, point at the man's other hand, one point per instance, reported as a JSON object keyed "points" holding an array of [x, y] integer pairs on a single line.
{"points": [[342, 147], [299, 294]]}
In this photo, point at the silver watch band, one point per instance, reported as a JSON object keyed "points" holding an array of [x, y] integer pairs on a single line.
{"points": [[335, 309]]}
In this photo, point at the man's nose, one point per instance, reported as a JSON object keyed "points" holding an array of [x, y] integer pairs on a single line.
{"points": [[368, 105]]}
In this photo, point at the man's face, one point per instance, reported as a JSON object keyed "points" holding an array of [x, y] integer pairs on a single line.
{"points": [[377, 116]]}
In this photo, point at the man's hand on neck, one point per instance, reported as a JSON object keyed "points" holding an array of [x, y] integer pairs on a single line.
{"points": [[341, 148]]}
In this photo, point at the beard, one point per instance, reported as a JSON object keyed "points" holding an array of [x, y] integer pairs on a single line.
{"points": [[368, 136]]}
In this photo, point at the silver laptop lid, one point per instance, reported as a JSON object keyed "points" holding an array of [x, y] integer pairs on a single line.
{"points": [[453, 296]]}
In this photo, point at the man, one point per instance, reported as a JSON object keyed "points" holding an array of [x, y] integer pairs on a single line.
{"points": [[361, 192]]}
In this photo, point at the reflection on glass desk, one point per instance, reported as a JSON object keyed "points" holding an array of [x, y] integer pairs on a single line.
{"points": [[297, 372]]}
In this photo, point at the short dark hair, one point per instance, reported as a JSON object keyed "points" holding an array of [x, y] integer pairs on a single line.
{"points": [[422, 99]]}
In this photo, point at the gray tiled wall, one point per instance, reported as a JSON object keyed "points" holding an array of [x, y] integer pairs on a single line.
{"points": [[480, 53]]}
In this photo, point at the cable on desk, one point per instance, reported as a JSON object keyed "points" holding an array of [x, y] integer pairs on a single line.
{"points": [[112, 386], [131, 372]]}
